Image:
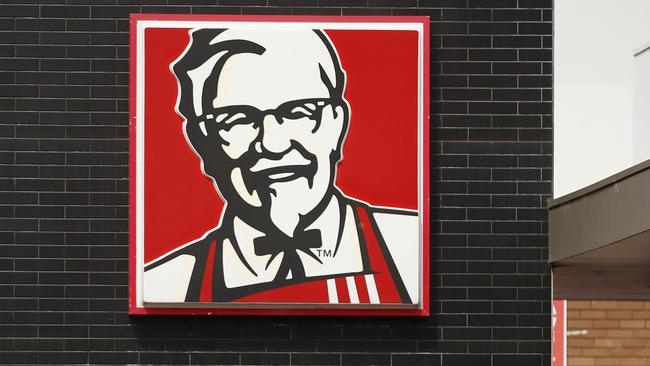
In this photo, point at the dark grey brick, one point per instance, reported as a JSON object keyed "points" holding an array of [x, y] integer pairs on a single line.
{"points": [[64, 182]]}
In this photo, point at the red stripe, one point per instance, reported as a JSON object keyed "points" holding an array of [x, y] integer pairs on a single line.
{"points": [[308, 292], [362, 289], [342, 290], [206, 285], [384, 282]]}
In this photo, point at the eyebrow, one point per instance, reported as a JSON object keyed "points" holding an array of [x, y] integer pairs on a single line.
{"points": [[236, 116], [221, 117]]}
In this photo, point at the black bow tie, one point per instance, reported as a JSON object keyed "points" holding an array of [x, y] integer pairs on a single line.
{"points": [[282, 243]]}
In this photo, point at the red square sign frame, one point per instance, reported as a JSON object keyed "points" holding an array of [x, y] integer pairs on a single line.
{"points": [[294, 109]]}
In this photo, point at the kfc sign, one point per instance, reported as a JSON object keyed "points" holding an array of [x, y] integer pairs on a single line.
{"points": [[279, 165]]}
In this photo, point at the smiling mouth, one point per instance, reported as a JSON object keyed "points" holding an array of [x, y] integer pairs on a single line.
{"points": [[283, 173], [280, 176], [290, 166]]}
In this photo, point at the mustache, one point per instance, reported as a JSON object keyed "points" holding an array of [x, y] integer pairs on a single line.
{"points": [[292, 158], [295, 155], [261, 169]]}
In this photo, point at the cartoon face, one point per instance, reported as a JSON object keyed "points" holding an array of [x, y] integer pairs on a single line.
{"points": [[270, 123]]}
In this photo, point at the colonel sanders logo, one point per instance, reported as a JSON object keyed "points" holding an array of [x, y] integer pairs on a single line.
{"points": [[265, 111]]}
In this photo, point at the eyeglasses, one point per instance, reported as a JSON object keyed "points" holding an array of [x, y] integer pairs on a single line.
{"points": [[227, 117]]}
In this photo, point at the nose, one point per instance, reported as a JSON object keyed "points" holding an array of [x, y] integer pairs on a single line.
{"points": [[275, 135]]}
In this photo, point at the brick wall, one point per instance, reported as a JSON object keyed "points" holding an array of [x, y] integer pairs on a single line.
{"points": [[608, 333], [64, 195]]}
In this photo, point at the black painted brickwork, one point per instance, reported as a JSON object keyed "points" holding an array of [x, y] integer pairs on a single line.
{"points": [[64, 190]]}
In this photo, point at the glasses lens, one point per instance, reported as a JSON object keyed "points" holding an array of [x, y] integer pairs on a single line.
{"points": [[306, 108], [226, 117]]}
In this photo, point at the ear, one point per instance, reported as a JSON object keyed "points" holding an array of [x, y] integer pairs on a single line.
{"points": [[194, 136], [197, 141], [341, 116], [201, 146]]}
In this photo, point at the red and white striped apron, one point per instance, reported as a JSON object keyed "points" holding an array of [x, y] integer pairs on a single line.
{"points": [[376, 285]]}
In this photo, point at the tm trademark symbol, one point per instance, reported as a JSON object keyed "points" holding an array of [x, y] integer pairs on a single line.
{"points": [[324, 253]]}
